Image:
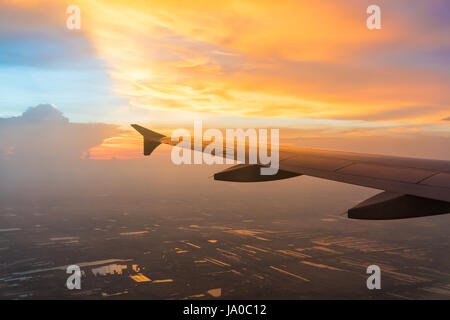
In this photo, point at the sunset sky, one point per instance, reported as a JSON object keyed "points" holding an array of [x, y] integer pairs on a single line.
{"points": [[288, 64]]}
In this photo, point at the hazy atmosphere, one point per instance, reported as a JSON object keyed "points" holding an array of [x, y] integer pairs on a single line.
{"points": [[75, 187], [68, 196]]}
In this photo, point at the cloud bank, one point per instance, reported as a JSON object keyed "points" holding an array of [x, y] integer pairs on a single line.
{"points": [[44, 154]]}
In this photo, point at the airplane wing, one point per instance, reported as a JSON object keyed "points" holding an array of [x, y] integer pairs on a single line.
{"points": [[411, 187]]}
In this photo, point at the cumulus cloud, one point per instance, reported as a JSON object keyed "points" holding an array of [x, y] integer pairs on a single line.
{"points": [[42, 114], [43, 136], [41, 152]]}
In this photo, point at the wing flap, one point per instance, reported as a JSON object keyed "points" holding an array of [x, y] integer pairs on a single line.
{"points": [[316, 162], [372, 180], [408, 175], [438, 180]]}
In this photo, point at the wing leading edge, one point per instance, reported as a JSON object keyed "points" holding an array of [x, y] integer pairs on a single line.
{"points": [[412, 187]]}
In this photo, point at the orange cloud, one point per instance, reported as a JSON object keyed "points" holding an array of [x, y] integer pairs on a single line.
{"points": [[290, 59]]}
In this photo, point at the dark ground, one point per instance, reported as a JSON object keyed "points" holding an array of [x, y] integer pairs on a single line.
{"points": [[252, 250]]}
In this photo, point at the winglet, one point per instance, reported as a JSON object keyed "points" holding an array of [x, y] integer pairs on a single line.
{"points": [[151, 138]]}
